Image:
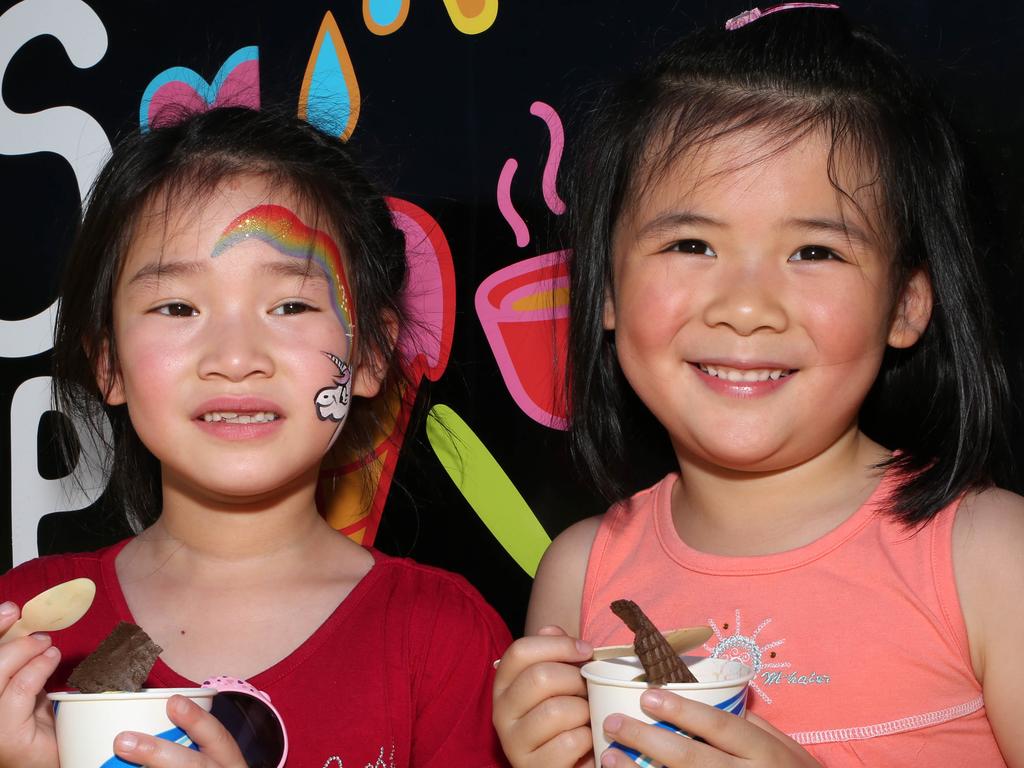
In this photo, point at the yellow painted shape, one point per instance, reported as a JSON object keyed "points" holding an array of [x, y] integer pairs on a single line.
{"points": [[559, 297], [471, 17], [487, 488]]}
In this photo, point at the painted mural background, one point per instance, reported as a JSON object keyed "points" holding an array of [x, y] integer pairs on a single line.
{"points": [[464, 109]]}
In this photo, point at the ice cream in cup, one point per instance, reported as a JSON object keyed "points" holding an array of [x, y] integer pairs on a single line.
{"points": [[612, 686], [111, 699], [87, 723]]}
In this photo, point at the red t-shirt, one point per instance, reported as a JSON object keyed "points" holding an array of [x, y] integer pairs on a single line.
{"points": [[399, 676]]}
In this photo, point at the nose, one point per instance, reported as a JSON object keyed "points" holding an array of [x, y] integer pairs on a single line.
{"points": [[235, 347], [748, 298]]}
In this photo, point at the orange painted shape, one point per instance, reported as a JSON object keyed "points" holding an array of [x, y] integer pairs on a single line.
{"points": [[391, 26]]}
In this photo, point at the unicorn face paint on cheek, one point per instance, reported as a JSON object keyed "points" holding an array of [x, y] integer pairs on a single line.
{"points": [[281, 229], [332, 403]]}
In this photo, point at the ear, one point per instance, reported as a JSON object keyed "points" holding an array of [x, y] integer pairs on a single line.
{"points": [[108, 377], [372, 367], [913, 311], [609, 310]]}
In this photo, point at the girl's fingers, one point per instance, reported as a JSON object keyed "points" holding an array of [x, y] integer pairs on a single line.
{"points": [[217, 748], [536, 686], [564, 720], [143, 749], [25, 666], [768, 728], [17, 653], [540, 708], [530, 651], [539, 712], [663, 746], [571, 749], [205, 730], [723, 730], [9, 613], [727, 735], [556, 714], [552, 631], [802, 756]]}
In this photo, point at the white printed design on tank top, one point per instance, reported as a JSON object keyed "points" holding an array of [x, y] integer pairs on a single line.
{"points": [[746, 650]]}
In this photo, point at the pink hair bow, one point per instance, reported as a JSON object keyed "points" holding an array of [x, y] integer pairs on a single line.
{"points": [[756, 13]]}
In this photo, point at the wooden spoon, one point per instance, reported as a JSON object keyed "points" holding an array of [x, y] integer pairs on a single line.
{"points": [[681, 640], [57, 608]]}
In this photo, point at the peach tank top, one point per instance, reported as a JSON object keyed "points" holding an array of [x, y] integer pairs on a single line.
{"points": [[857, 639]]}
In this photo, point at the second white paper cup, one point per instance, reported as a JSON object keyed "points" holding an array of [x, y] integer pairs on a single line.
{"points": [[611, 688], [88, 722]]}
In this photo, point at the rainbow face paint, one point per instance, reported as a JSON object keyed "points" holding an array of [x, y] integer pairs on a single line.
{"points": [[281, 229]]}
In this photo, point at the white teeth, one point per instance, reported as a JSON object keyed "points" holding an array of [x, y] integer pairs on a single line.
{"points": [[259, 417], [746, 375]]}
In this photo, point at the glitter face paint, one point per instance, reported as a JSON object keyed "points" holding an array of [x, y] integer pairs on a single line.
{"points": [[281, 229]]}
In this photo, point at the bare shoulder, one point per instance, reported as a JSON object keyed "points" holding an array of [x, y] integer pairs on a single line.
{"points": [[988, 523], [988, 538], [558, 586]]}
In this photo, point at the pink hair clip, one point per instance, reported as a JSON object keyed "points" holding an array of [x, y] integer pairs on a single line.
{"points": [[756, 13]]}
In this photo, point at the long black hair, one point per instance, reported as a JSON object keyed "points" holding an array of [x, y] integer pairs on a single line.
{"points": [[940, 404], [184, 162]]}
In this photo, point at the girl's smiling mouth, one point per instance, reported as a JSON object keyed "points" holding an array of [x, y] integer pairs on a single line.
{"points": [[238, 417], [743, 382], [744, 375], [257, 417]]}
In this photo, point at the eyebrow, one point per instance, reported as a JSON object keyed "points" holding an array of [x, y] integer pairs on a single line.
{"points": [[833, 226], [668, 222], [153, 273], [306, 269], [158, 270]]}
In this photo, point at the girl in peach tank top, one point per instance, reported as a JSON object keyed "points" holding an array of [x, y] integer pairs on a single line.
{"points": [[772, 266], [881, 680]]}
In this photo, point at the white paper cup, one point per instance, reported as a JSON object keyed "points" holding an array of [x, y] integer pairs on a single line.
{"points": [[88, 722], [610, 688]]}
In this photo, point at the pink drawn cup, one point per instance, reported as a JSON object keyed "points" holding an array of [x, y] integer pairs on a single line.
{"points": [[524, 311]]}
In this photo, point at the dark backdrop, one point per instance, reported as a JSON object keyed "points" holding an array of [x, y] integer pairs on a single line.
{"points": [[441, 112]]}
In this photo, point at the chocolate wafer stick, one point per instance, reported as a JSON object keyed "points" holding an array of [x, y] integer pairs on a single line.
{"points": [[661, 663], [122, 662]]}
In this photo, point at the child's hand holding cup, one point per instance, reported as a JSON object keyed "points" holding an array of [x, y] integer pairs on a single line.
{"points": [[615, 679], [87, 723], [612, 688]]}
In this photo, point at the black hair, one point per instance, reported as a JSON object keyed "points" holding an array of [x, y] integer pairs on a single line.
{"points": [[185, 161], [940, 404]]}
